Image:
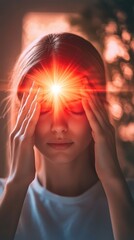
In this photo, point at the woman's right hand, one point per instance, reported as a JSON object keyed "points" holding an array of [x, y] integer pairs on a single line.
{"points": [[22, 169]]}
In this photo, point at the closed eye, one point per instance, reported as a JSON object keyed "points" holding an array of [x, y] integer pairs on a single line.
{"points": [[77, 113], [45, 108], [75, 108], [44, 111]]}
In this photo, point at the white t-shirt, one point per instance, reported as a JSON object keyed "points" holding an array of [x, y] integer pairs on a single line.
{"points": [[48, 216]]}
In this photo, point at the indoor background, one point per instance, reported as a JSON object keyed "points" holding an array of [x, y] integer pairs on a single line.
{"points": [[108, 24]]}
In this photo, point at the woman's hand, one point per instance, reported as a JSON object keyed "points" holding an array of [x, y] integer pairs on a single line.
{"points": [[22, 139], [121, 206], [106, 161], [22, 170]]}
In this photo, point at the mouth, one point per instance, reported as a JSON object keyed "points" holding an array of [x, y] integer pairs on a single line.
{"points": [[60, 146]]}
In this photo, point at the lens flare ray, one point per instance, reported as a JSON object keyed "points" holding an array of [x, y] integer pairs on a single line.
{"points": [[58, 85]]}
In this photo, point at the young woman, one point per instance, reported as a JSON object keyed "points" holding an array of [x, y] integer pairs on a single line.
{"points": [[65, 181]]}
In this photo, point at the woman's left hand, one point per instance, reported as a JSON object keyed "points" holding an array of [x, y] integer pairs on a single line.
{"points": [[106, 160]]}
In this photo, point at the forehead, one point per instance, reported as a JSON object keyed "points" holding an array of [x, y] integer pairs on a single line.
{"points": [[75, 80], [67, 76]]}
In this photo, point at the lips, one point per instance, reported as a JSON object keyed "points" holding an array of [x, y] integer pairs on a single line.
{"points": [[60, 146]]}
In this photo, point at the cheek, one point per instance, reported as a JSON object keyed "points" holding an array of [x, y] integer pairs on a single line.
{"points": [[85, 132], [81, 130], [77, 128], [42, 128]]}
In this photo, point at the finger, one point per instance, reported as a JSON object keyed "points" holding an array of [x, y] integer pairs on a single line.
{"points": [[25, 96], [101, 102], [85, 91], [23, 100], [28, 104], [96, 113], [25, 111], [30, 96], [100, 97], [32, 121], [99, 111], [95, 125], [27, 117], [89, 88], [99, 128]]}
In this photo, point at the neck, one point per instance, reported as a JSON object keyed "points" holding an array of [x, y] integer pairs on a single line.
{"points": [[68, 179]]}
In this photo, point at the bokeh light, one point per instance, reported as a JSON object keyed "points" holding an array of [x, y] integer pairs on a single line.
{"points": [[114, 48], [126, 132], [117, 42], [36, 24]]}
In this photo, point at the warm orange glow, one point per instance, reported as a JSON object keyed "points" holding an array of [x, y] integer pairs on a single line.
{"points": [[117, 79], [115, 107], [111, 27], [127, 70], [126, 36], [60, 85], [114, 48], [126, 132], [36, 23], [56, 89]]}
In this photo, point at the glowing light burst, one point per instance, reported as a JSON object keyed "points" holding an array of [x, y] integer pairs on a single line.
{"points": [[59, 84], [56, 89]]}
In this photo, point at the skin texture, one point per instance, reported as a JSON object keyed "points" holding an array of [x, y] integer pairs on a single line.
{"points": [[70, 171], [121, 205], [22, 138], [104, 138], [67, 127], [72, 166]]}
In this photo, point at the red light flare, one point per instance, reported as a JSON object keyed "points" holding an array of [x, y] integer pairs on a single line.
{"points": [[72, 83]]}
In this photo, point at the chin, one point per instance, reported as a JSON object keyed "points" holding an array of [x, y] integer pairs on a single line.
{"points": [[59, 158]]}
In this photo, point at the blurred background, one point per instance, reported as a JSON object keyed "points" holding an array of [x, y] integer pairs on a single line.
{"points": [[108, 24]]}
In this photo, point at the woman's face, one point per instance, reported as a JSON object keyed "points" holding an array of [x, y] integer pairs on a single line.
{"points": [[65, 136]]}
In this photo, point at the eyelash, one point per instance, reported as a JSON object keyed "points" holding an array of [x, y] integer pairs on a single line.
{"points": [[76, 113], [44, 112], [67, 109]]}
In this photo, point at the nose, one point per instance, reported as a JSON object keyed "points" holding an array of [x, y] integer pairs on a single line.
{"points": [[59, 123]]}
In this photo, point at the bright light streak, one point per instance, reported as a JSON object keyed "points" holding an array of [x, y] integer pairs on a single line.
{"points": [[60, 84], [56, 89]]}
